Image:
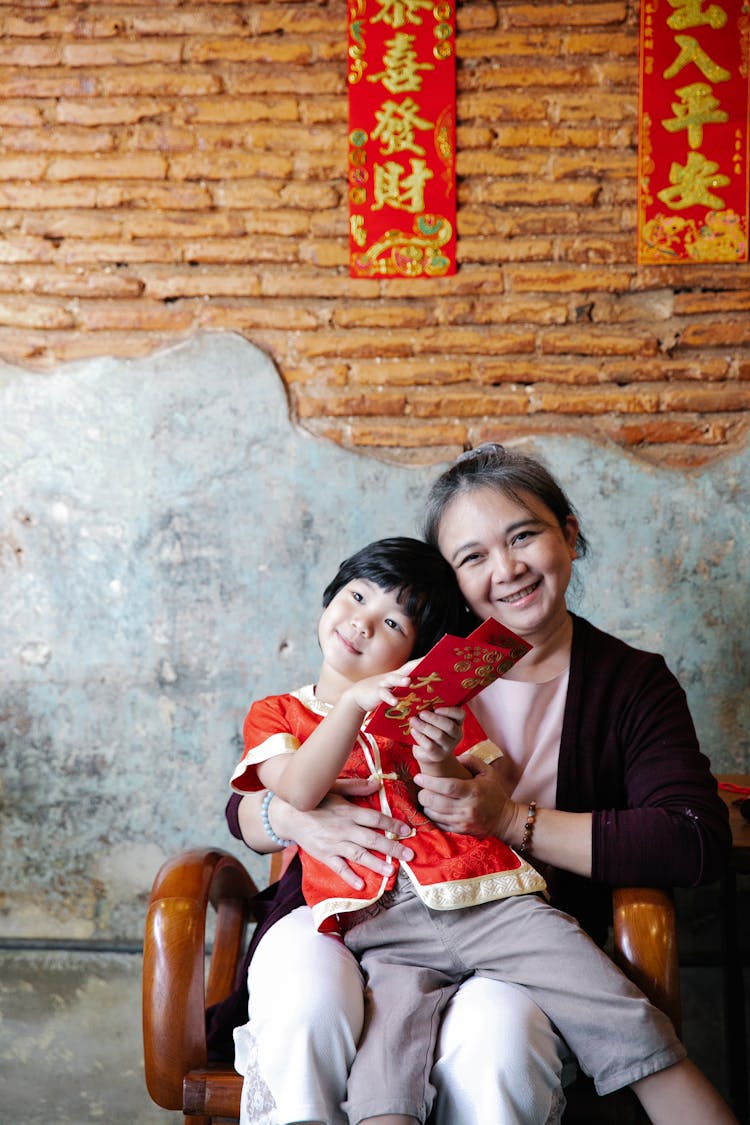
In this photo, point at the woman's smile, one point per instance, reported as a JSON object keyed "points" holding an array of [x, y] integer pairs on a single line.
{"points": [[513, 599]]}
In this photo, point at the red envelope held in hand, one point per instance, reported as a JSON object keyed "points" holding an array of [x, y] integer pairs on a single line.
{"points": [[452, 673]]}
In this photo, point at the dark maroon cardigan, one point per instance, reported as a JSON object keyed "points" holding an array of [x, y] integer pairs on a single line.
{"points": [[629, 752]]}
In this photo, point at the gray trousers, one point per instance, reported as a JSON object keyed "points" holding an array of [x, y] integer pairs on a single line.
{"points": [[414, 959]]}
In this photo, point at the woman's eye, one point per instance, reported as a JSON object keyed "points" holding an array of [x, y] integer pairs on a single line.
{"points": [[523, 536], [469, 558]]}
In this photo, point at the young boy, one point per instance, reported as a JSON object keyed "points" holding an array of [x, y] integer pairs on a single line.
{"points": [[463, 905]]}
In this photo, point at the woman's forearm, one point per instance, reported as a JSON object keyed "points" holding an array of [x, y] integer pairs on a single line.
{"points": [[281, 817], [562, 839], [251, 823]]}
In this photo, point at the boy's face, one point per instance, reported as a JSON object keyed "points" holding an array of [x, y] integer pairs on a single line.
{"points": [[364, 631]]}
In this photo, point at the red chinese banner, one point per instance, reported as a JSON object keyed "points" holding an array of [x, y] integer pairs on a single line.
{"points": [[402, 128], [693, 141]]}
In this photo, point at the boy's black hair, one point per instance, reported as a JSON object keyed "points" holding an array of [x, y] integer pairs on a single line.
{"points": [[427, 588]]}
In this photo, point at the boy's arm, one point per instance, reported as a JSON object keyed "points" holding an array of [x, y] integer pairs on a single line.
{"points": [[304, 777]]}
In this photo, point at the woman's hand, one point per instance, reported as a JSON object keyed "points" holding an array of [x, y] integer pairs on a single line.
{"points": [[338, 832], [478, 806]]}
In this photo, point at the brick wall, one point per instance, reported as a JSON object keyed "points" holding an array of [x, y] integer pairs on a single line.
{"points": [[180, 166]]}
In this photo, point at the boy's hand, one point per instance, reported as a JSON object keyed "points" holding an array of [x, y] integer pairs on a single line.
{"points": [[369, 693], [436, 734]]}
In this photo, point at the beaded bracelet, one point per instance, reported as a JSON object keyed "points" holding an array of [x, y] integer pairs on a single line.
{"points": [[267, 824], [528, 828]]}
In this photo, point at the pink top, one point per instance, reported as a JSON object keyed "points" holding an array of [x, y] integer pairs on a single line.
{"points": [[526, 720]]}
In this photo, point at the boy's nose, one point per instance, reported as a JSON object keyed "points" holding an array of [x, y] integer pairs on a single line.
{"points": [[362, 625]]}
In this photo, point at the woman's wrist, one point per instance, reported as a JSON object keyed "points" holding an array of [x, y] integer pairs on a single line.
{"points": [[514, 821], [277, 816]]}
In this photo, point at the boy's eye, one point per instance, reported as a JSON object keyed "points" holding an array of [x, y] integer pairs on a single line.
{"points": [[357, 596], [393, 624]]}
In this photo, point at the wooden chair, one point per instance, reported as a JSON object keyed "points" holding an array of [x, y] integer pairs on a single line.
{"points": [[177, 989]]}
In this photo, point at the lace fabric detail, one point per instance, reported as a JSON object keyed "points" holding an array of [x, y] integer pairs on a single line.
{"points": [[557, 1108], [257, 1106]]}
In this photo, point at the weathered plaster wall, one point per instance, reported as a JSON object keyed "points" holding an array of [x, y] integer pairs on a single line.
{"points": [[165, 535]]}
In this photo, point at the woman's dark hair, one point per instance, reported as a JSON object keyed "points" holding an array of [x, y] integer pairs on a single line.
{"points": [[513, 474], [425, 583]]}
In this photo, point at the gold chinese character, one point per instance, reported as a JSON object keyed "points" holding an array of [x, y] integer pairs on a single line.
{"points": [[401, 74], [396, 13], [396, 125], [402, 709], [691, 184], [425, 682], [392, 186], [689, 13], [691, 51], [697, 107]]}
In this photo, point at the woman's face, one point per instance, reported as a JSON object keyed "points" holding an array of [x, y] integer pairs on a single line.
{"points": [[513, 560]]}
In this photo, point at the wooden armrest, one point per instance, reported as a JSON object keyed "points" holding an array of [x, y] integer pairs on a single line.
{"points": [[645, 945], [175, 992]]}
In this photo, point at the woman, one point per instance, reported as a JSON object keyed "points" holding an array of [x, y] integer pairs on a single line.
{"points": [[586, 723]]}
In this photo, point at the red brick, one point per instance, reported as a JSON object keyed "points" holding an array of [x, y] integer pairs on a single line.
{"points": [[349, 405], [561, 15], [181, 224], [154, 195], [411, 372], [559, 279], [716, 398], [122, 52], [44, 281], [489, 249], [22, 167], [717, 334], [457, 403], [21, 312], [675, 430], [107, 167], [597, 341], [160, 283], [244, 315], [93, 316], [159, 81], [109, 111], [57, 140], [232, 250], [586, 400], [29, 54], [39, 196], [380, 314], [282, 52], [229, 165], [226, 110], [406, 434]]}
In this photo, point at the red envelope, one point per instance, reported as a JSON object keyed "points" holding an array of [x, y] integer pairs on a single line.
{"points": [[452, 673]]}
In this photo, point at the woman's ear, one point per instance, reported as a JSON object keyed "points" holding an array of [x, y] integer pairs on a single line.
{"points": [[570, 531]]}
